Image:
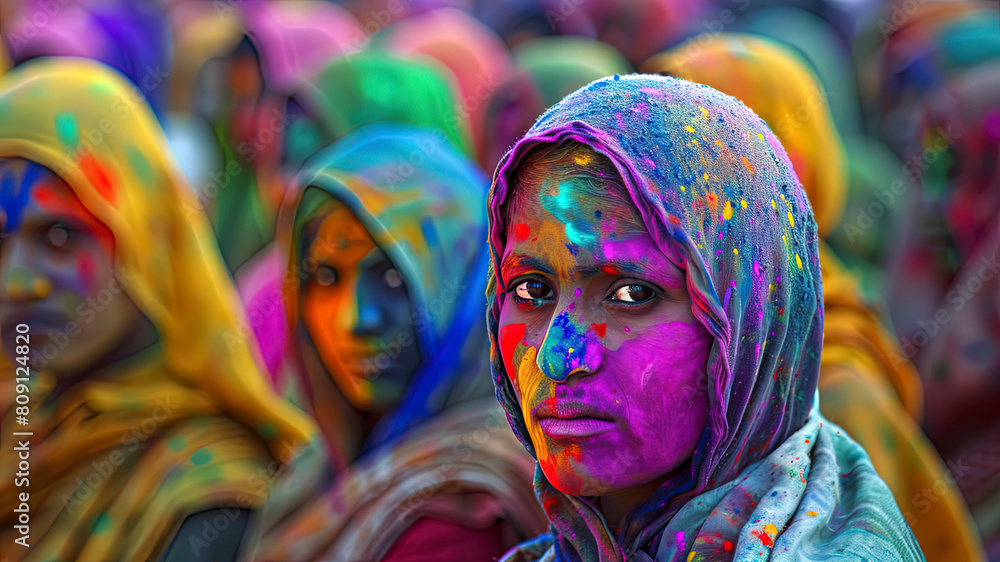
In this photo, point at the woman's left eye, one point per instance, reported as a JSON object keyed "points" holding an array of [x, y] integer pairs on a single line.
{"points": [[633, 294], [392, 279], [58, 235]]}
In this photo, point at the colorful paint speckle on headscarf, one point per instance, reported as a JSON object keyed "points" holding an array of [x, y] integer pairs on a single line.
{"points": [[225, 424], [769, 475], [424, 205]]}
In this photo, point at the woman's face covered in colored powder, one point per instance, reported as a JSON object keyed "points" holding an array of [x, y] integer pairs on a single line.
{"points": [[357, 312], [57, 275], [596, 330]]}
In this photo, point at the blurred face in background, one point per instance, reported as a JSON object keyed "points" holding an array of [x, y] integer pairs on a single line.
{"points": [[357, 312], [57, 275]]}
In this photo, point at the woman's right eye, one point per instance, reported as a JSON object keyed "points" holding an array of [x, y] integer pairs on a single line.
{"points": [[532, 290], [326, 275]]}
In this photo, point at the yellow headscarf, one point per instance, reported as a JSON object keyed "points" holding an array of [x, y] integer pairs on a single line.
{"points": [[867, 385], [123, 457]]}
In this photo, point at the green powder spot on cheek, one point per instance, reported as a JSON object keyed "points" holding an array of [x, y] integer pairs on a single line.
{"points": [[201, 457], [101, 524], [177, 443], [69, 302], [20, 277], [67, 130]]}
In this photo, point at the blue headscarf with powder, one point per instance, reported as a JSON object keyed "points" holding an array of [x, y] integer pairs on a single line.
{"points": [[770, 476]]}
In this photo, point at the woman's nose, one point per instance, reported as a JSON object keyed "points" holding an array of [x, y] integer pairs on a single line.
{"points": [[370, 319], [570, 347]]}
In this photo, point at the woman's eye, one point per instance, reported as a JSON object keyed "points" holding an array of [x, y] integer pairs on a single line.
{"points": [[326, 275], [633, 293], [392, 279], [533, 290], [58, 235]]}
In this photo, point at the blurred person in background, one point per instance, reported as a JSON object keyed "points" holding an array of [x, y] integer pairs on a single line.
{"points": [[866, 384], [370, 86], [384, 293], [473, 53], [131, 37], [244, 96], [149, 415], [941, 72]]}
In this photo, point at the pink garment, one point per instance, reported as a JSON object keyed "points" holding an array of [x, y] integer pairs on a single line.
{"points": [[260, 286], [297, 38]]}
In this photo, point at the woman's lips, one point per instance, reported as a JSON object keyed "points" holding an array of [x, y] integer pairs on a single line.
{"points": [[562, 420]]}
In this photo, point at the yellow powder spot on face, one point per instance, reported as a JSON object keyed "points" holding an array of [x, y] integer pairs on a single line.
{"points": [[783, 239], [782, 196], [748, 165], [736, 251], [689, 128], [791, 219], [529, 382], [706, 176], [582, 159], [682, 188], [761, 136], [694, 142], [570, 350], [774, 205], [743, 203], [770, 529], [703, 111], [691, 554], [811, 513], [727, 213], [718, 142], [798, 260]]}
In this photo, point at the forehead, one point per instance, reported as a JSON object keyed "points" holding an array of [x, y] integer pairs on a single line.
{"points": [[28, 189]]}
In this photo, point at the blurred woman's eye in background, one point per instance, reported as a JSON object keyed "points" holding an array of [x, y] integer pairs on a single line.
{"points": [[58, 235], [326, 275], [392, 279]]}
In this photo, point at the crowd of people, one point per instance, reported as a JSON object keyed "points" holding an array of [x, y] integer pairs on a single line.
{"points": [[559, 280]]}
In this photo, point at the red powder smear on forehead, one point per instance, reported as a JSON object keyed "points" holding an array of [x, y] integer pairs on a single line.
{"points": [[521, 232], [609, 270], [97, 175], [510, 336], [45, 196]]}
